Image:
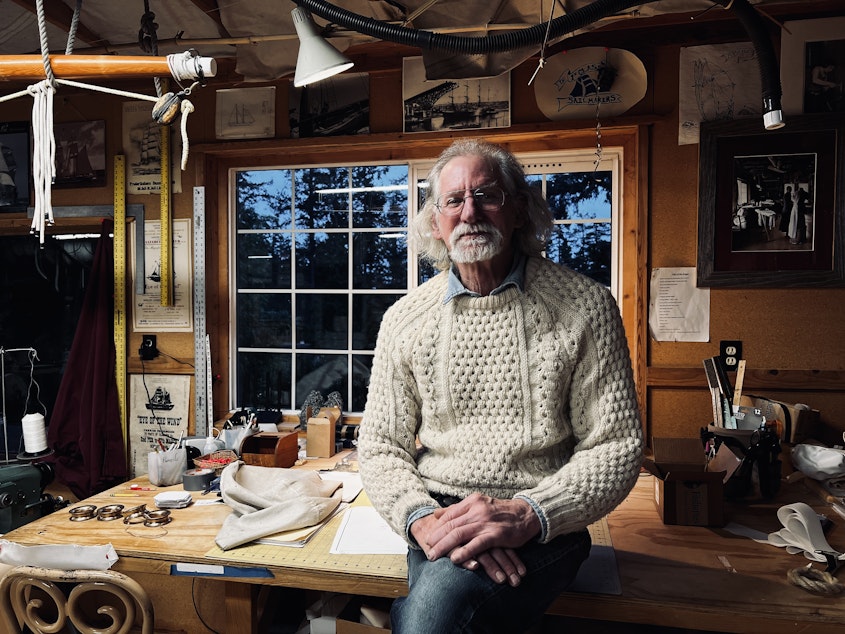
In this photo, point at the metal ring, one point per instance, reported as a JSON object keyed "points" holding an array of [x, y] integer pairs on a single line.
{"points": [[135, 509], [135, 518], [159, 522], [82, 513], [161, 514], [110, 512]]}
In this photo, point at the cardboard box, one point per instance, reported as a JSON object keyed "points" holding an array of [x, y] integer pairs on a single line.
{"points": [[320, 438], [684, 493], [348, 621]]}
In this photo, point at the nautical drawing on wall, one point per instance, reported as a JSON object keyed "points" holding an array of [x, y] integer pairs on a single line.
{"points": [[717, 82], [147, 312], [459, 104], [142, 147], [158, 415], [80, 154], [246, 113], [335, 106]]}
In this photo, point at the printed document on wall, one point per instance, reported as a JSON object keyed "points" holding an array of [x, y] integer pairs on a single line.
{"points": [[678, 311]]}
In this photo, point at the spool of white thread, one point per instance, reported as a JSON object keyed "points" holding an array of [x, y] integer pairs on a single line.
{"points": [[34, 433]]}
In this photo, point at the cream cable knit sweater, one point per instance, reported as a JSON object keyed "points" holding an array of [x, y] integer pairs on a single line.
{"points": [[527, 394]]}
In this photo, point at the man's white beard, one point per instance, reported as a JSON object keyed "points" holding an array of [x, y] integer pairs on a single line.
{"points": [[483, 246]]}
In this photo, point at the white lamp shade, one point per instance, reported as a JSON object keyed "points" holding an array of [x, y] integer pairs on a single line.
{"points": [[317, 58]]}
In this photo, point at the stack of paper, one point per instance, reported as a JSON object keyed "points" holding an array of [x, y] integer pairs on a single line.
{"points": [[173, 499]]}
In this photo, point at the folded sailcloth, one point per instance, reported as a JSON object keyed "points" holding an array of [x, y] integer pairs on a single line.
{"points": [[268, 500]]}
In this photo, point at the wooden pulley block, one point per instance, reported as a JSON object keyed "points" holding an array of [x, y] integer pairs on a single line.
{"points": [[166, 108]]}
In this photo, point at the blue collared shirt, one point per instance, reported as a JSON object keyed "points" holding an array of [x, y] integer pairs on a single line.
{"points": [[516, 277]]}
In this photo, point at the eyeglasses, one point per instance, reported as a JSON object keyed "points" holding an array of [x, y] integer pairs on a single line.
{"points": [[488, 198]]}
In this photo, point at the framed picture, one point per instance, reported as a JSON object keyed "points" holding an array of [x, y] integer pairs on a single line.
{"points": [[812, 66], [462, 104], [770, 208], [339, 105], [80, 154], [14, 166]]}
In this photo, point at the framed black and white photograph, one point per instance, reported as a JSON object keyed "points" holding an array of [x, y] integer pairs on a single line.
{"points": [[459, 104], [813, 66], [770, 208], [339, 105], [80, 154], [14, 166]]}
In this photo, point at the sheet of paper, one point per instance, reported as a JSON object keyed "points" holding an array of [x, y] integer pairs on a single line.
{"points": [[678, 311], [364, 532]]}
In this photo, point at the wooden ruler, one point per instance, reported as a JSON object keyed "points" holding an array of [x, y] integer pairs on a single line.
{"points": [[120, 288]]}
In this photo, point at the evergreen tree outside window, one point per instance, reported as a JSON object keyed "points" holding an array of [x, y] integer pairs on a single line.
{"points": [[321, 252]]}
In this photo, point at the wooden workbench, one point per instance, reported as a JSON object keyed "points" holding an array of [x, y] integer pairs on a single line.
{"points": [[680, 576]]}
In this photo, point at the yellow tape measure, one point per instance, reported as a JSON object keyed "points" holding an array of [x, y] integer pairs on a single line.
{"points": [[166, 242], [120, 287]]}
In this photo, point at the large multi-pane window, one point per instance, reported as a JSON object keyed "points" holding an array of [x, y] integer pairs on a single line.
{"points": [[321, 252]]}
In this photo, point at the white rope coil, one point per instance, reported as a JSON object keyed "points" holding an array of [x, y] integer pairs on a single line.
{"points": [[188, 66]]}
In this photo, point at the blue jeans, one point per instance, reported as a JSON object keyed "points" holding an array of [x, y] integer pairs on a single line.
{"points": [[444, 598]]}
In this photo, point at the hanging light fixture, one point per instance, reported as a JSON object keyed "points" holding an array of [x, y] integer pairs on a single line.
{"points": [[317, 58]]}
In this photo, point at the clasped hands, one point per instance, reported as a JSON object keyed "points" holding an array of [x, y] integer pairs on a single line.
{"points": [[480, 531]]}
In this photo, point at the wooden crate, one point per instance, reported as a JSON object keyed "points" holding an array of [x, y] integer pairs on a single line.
{"points": [[270, 449]]}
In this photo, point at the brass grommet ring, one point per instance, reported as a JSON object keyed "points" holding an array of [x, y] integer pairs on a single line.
{"points": [[82, 513]]}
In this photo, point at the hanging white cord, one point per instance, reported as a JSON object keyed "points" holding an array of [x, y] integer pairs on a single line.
{"points": [[43, 155]]}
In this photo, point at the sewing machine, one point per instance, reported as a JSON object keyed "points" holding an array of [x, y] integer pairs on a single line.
{"points": [[22, 497]]}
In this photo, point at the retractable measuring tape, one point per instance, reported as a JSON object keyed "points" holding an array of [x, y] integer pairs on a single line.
{"points": [[120, 288], [203, 410]]}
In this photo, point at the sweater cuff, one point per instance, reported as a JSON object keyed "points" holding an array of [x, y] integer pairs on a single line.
{"points": [[544, 523], [413, 517]]}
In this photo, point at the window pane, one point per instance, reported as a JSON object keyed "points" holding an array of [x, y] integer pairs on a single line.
{"points": [[568, 195], [583, 247], [263, 260], [264, 380], [262, 199], [367, 312], [316, 206], [321, 322], [380, 260], [324, 373], [264, 320], [322, 260], [380, 206], [361, 366]]}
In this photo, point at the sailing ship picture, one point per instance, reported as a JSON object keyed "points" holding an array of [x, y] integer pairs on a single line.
{"points": [[80, 154], [458, 104], [246, 113], [160, 400]]}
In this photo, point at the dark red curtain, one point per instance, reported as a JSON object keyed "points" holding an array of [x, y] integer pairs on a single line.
{"points": [[84, 430]]}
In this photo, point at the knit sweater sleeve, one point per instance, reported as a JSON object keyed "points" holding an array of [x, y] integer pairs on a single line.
{"points": [[602, 409], [387, 449]]}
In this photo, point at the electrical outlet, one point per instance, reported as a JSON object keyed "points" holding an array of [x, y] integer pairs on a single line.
{"points": [[730, 353], [148, 349]]}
